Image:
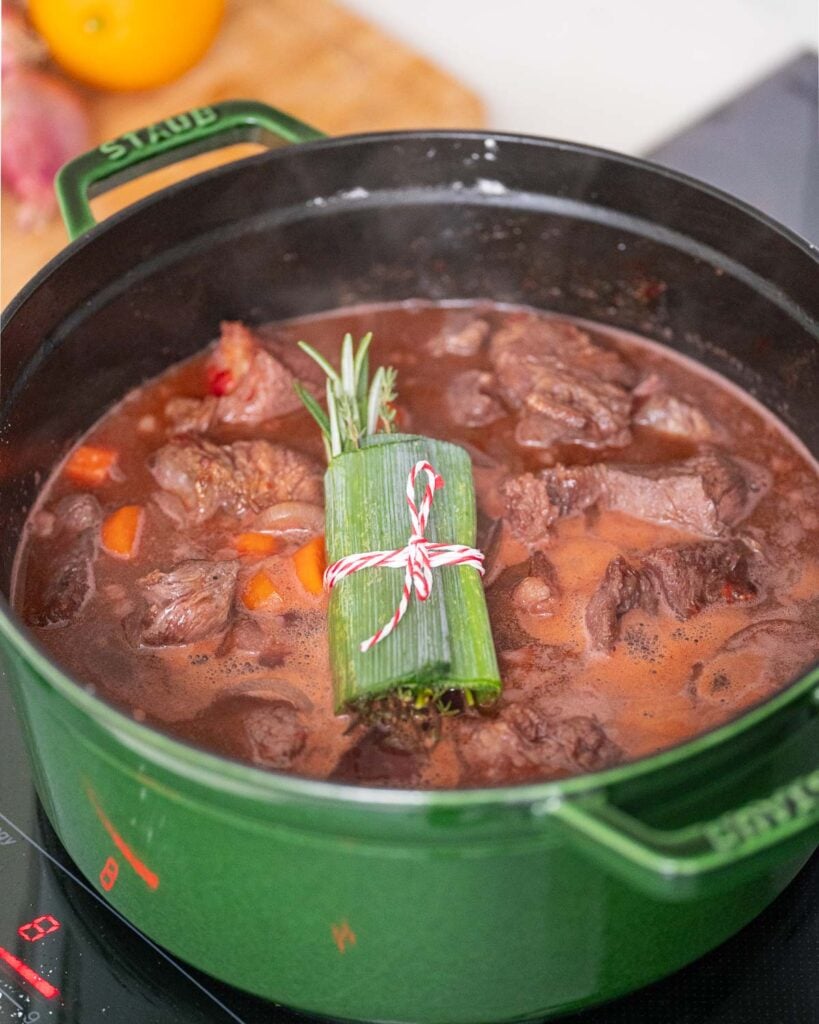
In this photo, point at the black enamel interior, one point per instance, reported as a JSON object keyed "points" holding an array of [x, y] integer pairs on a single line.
{"points": [[376, 218]]}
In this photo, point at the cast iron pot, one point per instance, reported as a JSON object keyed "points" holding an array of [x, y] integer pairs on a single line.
{"points": [[488, 905]]}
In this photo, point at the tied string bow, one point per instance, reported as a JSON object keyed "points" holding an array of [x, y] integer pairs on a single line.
{"points": [[419, 557]]}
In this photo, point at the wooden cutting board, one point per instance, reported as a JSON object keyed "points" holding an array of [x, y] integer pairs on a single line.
{"points": [[312, 58]]}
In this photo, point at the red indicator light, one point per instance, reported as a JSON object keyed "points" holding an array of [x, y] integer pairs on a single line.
{"points": [[38, 928], [45, 988], [150, 878]]}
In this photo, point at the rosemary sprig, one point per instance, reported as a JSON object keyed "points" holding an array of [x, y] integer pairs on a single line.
{"points": [[356, 406]]}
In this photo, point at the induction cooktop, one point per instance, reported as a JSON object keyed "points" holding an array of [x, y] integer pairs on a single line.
{"points": [[67, 957]]}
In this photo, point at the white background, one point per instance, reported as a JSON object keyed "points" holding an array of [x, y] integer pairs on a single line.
{"points": [[624, 74]]}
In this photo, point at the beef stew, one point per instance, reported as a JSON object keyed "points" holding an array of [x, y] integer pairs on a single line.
{"points": [[651, 533]]}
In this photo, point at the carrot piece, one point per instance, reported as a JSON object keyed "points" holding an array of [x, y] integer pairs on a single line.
{"points": [[256, 544], [121, 531], [310, 562], [90, 465], [258, 591]]}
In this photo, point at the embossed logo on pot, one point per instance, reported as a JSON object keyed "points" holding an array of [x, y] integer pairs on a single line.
{"points": [[199, 117], [798, 799]]}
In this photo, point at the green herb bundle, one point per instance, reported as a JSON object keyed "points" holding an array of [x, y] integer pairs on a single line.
{"points": [[443, 643]]}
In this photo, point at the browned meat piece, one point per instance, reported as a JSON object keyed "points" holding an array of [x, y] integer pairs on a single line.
{"points": [[528, 588], [459, 338], [191, 415], [733, 485], [705, 494], [552, 371], [77, 512], [689, 577], [381, 758], [491, 751], [586, 744], [70, 582], [191, 602], [538, 432], [671, 415], [527, 508], [622, 589], [470, 401], [533, 503], [244, 476], [530, 742], [247, 386], [262, 391], [270, 733], [71, 540], [276, 734]]}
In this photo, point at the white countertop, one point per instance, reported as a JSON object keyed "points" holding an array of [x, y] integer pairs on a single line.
{"points": [[624, 74]]}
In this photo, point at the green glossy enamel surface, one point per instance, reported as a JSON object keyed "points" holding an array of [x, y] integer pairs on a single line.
{"points": [[457, 906]]}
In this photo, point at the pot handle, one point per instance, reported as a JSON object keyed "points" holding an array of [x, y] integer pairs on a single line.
{"points": [[775, 824], [176, 138]]}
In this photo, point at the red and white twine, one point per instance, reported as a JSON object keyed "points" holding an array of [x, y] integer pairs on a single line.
{"points": [[420, 556]]}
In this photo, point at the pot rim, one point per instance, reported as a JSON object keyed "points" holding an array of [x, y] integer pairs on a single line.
{"points": [[810, 249], [258, 783]]}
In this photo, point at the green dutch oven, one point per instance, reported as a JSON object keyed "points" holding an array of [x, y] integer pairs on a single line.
{"points": [[488, 905]]}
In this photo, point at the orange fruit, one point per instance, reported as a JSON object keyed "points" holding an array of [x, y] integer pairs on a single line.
{"points": [[126, 44]]}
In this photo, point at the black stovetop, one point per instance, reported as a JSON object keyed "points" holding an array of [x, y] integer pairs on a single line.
{"points": [[66, 957]]}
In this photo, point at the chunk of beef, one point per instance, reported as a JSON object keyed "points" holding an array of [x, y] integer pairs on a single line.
{"points": [[534, 431], [263, 391], [622, 589], [247, 384], [533, 503], [670, 415], [244, 476], [69, 583], [77, 512], [706, 494], [461, 337], [687, 577], [381, 758], [690, 577], [586, 744], [191, 415], [275, 733], [491, 750], [552, 371], [191, 602], [470, 401], [528, 588], [529, 742], [270, 733]]}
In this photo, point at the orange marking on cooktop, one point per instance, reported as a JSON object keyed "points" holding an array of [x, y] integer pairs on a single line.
{"points": [[150, 878], [342, 934], [45, 988]]}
